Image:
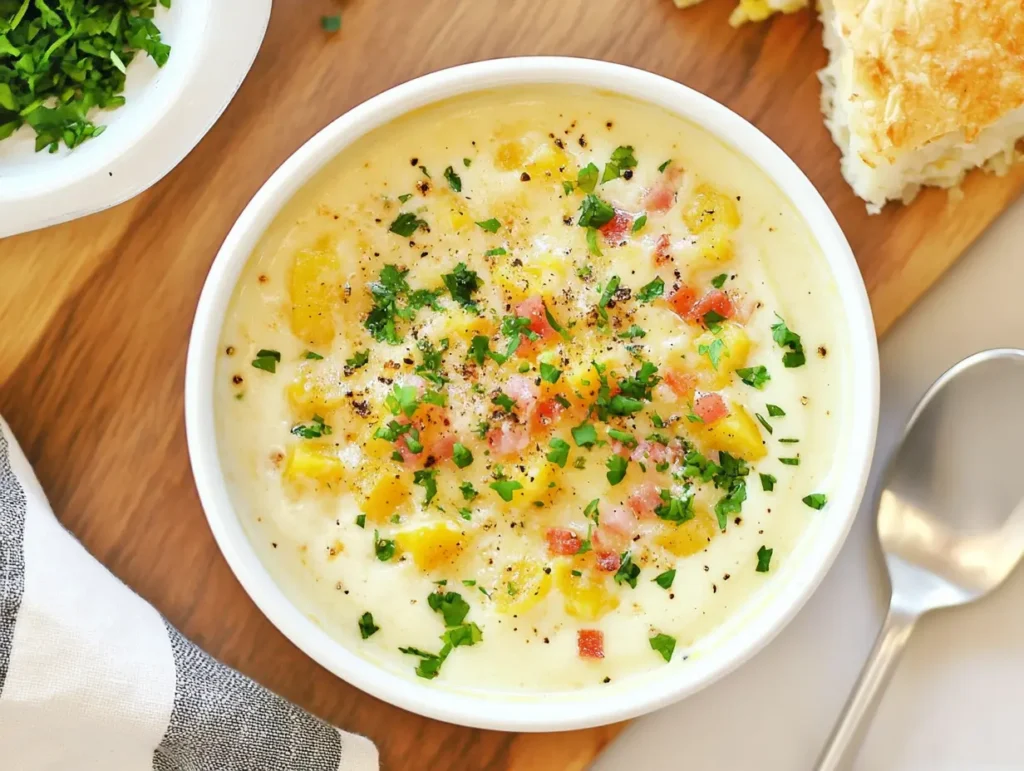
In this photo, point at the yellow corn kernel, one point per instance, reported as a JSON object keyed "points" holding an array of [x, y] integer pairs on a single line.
{"points": [[434, 544], [736, 434], [689, 537], [521, 586], [587, 596], [391, 492], [711, 208], [315, 392], [509, 156], [734, 353], [313, 462], [314, 288]]}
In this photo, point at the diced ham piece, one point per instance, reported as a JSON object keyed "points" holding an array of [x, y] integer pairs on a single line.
{"points": [[645, 499], [418, 383], [683, 301], [562, 541], [659, 199], [524, 391], [508, 439], [615, 229], [662, 255], [621, 449], [442, 449], [615, 530], [590, 643], [547, 412], [716, 300], [681, 383], [532, 308], [710, 407], [608, 561]]}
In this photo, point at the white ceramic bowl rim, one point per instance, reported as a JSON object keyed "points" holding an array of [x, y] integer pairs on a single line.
{"points": [[543, 712]]}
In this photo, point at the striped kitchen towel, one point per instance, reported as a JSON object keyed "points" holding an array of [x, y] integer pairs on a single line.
{"points": [[92, 677]]}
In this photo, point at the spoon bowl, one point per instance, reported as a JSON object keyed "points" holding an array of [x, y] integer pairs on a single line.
{"points": [[950, 515]]}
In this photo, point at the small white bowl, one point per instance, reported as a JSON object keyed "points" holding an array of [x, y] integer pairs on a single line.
{"points": [[631, 696]]}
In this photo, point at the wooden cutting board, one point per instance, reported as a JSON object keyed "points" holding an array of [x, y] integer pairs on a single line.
{"points": [[95, 314]]}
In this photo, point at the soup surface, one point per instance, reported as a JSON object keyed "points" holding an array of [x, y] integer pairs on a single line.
{"points": [[531, 389]]}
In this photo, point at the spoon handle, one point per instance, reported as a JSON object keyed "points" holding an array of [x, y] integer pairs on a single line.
{"points": [[848, 734]]}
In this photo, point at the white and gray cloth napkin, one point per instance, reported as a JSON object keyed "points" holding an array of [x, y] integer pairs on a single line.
{"points": [[92, 678]]}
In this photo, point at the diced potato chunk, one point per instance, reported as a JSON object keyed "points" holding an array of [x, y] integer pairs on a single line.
{"points": [[433, 545], [710, 208], [550, 162], [689, 537], [391, 492], [734, 353], [541, 483], [510, 155], [522, 585], [313, 463], [314, 290], [588, 596], [315, 391], [736, 434], [542, 274]]}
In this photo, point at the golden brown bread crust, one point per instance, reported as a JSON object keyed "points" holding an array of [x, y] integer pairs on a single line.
{"points": [[924, 68]]}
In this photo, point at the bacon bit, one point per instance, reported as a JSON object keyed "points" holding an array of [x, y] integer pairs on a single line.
{"points": [[682, 384], [659, 199], [710, 407], [608, 561], [508, 439], [682, 300], [546, 414], [562, 541], [590, 643], [616, 228], [645, 499], [532, 308], [716, 300], [662, 255]]}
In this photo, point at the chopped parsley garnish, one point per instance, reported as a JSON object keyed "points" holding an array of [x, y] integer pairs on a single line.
{"points": [[361, 521], [622, 159], [606, 295], [454, 180], [652, 291], [765, 423], [461, 284], [384, 548], [505, 488], [764, 559], [586, 180], [267, 360], [480, 349], [592, 243], [627, 573], [676, 508], [664, 580], [425, 172], [467, 515], [461, 455], [730, 477], [663, 644], [592, 511], [713, 351], [616, 468], [632, 333], [775, 411], [585, 435], [314, 356], [366, 626], [430, 663], [549, 373], [784, 337], [402, 400], [567, 187], [638, 387], [504, 401], [789, 461], [386, 291], [450, 605], [491, 225], [768, 482], [464, 634], [594, 212], [622, 436], [312, 430], [495, 252], [515, 328], [816, 501], [468, 491], [427, 479], [719, 281], [359, 359], [559, 454], [755, 377], [404, 197], [638, 223], [330, 23], [665, 165], [467, 162], [406, 224], [788, 441]]}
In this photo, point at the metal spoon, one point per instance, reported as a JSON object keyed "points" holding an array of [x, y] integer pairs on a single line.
{"points": [[950, 516]]}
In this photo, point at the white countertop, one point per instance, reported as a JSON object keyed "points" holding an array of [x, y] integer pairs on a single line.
{"points": [[957, 699]]}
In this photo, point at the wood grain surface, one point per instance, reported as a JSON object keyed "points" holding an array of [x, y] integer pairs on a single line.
{"points": [[95, 314]]}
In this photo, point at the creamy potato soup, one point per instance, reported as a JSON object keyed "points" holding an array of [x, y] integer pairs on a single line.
{"points": [[531, 389]]}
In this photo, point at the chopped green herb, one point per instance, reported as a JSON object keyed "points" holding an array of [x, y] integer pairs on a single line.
{"points": [[652, 291], [586, 180], [383, 547], [406, 224], [627, 573], [764, 559], [663, 644], [454, 180], [461, 284], [331, 24], [713, 351], [775, 412], [585, 435], [784, 337], [359, 359], [515, 328], [315, 429], [559, 454], [594, 212], [461, 455], [592, 243], [664, 580], [467, 162], [591, 511], [664, 166], [788, 441], [632, 333], [427, 479], [491, 225], [606, 295], [816, 501], [464, 634], [719, 281], [567, 187], [450, 605], [638, 223], [497, 251], [622, 436], [404, 197], [616, 465], [549, 373], [366, 626], [768, 482], [361, 521], [267, 360], [622, 159], [676, 508], [505, 488], [468, 491], [755, 377], [430, 663], [731, 504], [504, 401], [765, 423], [425, 172], [402, 400], [789, 461], [314, 356]]}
